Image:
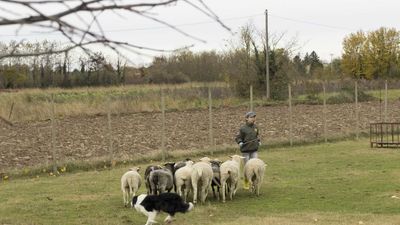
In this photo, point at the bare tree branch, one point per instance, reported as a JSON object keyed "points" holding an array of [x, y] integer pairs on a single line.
{"points": [[85, 34]]}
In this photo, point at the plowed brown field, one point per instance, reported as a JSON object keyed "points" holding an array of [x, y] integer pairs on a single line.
{"points": [[86, 138]]}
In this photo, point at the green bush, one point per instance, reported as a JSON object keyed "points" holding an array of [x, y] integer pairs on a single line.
{"points": [[347, 96]]}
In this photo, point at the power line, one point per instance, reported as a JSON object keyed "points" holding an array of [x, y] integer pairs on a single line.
{"points": [[312, 23], [146, 28], [196, 23]]}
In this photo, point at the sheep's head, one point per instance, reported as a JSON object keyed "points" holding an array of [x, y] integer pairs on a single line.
{"points": [[237, 158], [135, 169], [189, 163], [216, 162], [205, 159], [170, 166]]}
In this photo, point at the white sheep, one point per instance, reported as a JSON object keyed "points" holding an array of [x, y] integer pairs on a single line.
{"points": [[201, 176], [183, 180], [254, 172], [130, 184], [230, 171]]}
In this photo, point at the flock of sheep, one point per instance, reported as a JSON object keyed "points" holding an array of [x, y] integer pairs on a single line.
{"points": [[187, 177]]}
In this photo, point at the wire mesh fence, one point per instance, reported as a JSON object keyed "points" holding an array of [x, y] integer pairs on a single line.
{"points": [[126, 123]]}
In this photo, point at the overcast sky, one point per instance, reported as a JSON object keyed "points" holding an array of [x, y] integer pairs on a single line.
{"points": [[318, 25]]}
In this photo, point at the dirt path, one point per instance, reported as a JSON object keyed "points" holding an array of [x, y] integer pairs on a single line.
{"points": [[84, 138]]}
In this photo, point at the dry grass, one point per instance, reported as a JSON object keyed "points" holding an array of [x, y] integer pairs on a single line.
{"points": [[35, 104]]}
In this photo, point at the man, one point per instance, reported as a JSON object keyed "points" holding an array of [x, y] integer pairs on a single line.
{"points": [[248, 139]]}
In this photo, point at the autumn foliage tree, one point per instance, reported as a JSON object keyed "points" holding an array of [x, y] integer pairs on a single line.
{"points": [[372, 55]]}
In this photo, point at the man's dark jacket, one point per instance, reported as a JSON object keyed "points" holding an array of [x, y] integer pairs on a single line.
{"points": [[248, 134]]}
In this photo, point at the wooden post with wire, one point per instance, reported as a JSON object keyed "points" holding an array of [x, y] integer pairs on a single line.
{"points": [[324, 113], [11, 111], [386, 100], [211, 134], [290, 116], [356, 108], [251, 97], [163, 125], [53, 135], [109, 131]]}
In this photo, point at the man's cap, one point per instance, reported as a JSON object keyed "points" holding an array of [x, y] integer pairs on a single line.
{"points": [[250, 114]]}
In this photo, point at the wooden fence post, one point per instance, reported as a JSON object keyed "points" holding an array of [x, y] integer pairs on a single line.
{"points": [[163, 125], [324, 113], [356, 103], [109, 130], [53, 135], [251, 97], [211, 135], [386, 100], [11, 111], [290, 116]]}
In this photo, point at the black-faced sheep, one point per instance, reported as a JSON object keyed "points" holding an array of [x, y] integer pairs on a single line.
{"points": [[216, 180], [147, 176]]}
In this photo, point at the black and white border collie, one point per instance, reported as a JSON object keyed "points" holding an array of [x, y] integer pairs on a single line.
{"points": [[150, 205]]}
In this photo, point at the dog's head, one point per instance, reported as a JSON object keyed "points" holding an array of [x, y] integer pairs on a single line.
{"points": [[134, 200], [137, 199]]}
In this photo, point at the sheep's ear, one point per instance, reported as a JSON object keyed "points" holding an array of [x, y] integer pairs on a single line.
{"points": [[138, 168], [231, 156]]}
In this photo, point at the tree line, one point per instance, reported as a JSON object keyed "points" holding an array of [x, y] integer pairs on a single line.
{"points": [[367, 55]]}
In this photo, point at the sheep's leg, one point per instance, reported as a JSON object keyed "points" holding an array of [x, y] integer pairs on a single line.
{"points": [[260, 180], [203, 194], [130, 193], [148, 187], [188, 187], [153, 188], [178, 187], [186, 191], [206, 187], [232, 191], [195, 193], [257, 186], [124, 196], [235, 186], [223, 183], [212, 187], [218, 193]]}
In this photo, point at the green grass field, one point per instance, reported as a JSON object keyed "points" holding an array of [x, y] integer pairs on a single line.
{"points": [[336, 183]]}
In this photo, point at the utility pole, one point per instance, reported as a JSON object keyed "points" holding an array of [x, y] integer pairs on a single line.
{"points": [[266, 56]]}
